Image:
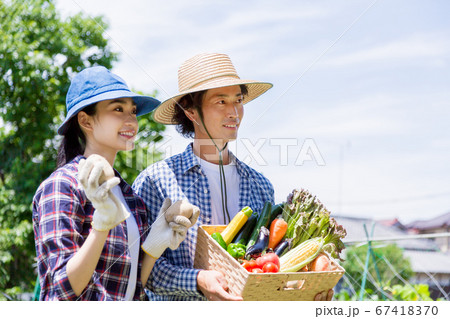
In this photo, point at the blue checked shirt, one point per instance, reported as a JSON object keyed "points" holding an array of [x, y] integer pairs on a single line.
{"points": [[62, 217], [180, 177]]}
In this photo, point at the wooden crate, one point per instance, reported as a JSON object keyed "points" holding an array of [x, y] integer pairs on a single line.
{"points": [[256, 286]]}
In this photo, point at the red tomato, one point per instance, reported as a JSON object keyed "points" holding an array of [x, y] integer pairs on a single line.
{"points": [[257, 270], [252, 264], [245, 264], [260, 262], [270, 267], [270, 257], [249, 265]]}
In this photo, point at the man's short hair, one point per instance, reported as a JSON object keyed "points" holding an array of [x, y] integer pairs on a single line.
{"points": [[185, 126]]}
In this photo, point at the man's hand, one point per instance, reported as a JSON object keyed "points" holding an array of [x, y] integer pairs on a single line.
{"points": [[214, 286], [322, 296]]}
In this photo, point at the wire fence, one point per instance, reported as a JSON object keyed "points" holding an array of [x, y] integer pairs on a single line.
{"points": [[356, 288]]}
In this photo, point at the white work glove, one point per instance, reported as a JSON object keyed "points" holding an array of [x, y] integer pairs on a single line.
{"points": [[109, 210], [165, 234]]}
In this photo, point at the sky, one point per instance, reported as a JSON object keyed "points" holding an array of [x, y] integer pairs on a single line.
{"points": [[358, 114]]}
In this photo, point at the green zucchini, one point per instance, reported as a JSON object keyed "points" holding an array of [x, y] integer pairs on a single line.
{"points": [[263, 220], [244, 233]]}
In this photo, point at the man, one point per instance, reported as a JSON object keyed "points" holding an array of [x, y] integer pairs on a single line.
{"points": [[209, 108]]}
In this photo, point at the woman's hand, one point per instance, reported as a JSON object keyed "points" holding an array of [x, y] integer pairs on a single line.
{"points": [[165, 235], [109, 211]]}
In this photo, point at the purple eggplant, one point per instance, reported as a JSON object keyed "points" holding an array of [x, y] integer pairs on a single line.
{"points": [[260, 246], [283, 246]]}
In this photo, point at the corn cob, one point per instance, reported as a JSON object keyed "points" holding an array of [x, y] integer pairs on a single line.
{"points": [[300, 256]]}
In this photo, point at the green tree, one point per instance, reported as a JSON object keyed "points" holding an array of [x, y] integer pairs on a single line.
{"points": [[130, 164], [387, 267], [405, 292], [39, 53]]}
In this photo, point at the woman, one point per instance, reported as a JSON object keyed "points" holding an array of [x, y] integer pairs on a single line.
{"points": [[88, 223]]}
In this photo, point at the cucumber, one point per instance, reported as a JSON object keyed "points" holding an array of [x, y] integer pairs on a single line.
{"points": [[243, 235], [263, 220], [218, 237]]}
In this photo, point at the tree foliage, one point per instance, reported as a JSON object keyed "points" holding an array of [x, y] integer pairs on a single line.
{"points": [[403, 292], [39, 53], [387, 267]]}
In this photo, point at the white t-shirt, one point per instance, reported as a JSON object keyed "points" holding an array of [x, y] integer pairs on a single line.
{"points": [[232, 181], [133, 245]]}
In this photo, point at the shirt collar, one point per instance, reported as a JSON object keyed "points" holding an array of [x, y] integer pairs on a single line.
{"points": [[242, 169], [191, 162]]}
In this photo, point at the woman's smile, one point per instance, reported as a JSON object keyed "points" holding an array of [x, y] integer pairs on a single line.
{"points": [[128, 134]]}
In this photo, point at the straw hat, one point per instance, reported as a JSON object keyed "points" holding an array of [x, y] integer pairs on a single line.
{"points": [[204, 72]]}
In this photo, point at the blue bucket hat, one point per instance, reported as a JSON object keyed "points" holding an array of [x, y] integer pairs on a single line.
{"points": [[97, 84]]}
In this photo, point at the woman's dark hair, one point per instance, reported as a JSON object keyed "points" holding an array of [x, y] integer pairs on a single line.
{"points": [[185, 126], [74, 141]]}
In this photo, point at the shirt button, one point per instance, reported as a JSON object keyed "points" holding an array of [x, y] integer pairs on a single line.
{"points": [[205, 191]]}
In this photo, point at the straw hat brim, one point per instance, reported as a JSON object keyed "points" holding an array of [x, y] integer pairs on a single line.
{"points": [[165, 111]]}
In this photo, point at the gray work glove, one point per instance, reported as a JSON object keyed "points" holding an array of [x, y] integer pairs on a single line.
{"points": [[109, 210], [164, 234]]}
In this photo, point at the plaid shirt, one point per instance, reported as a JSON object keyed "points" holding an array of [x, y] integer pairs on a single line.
{"points": [[62, 219], [180, 177]]}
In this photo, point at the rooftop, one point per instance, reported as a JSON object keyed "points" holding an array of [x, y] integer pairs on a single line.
{"points": [[355, 232], [441, 221], [428, 262]]}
